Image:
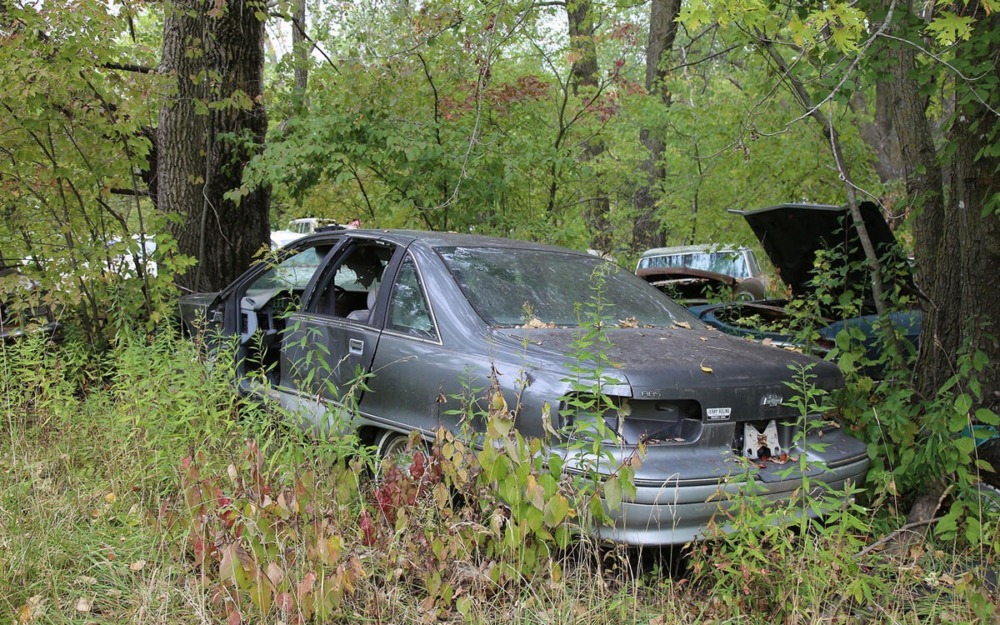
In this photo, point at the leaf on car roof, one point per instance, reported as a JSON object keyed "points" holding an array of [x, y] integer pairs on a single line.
{"points": [[535, 322], [682, 324], [706, 369]]}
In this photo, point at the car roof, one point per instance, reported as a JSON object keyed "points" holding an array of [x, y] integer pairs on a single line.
{"points": [[434, 239], [692, 249]]}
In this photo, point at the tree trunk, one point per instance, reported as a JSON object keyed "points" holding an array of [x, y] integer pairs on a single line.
{"points": [[646, 232], [965, 289], [584, 83], [880, 134], [208, 131], [956, 230], [957, 240], [302, 48]]}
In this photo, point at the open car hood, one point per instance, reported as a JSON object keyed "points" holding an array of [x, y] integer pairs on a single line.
{"points": [[791, 234]]}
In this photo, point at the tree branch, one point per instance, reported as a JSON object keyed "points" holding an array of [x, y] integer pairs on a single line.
{"points": [[128, 67], [132, 192]]}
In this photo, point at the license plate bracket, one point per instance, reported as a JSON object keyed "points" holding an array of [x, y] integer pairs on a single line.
{"points": [[761, 444]]}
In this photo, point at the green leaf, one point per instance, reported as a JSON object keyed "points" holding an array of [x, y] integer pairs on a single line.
{"points": [[963, 403], [613, 493], [556, 510], [948, 27], [987, 416], [965, 445]]}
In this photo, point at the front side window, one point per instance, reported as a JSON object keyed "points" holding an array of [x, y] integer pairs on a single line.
{"points": [[351, 288], [408, 309], [512, 287], [292, 273]]}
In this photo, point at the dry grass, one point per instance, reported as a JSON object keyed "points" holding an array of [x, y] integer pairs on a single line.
{"points": [[85, 475]]}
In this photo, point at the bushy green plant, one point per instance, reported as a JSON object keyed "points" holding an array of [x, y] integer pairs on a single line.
{"points": [[777, 561], [602, 477]]}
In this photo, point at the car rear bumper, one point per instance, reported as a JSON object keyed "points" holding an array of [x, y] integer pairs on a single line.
{"points": [[674, 513]]}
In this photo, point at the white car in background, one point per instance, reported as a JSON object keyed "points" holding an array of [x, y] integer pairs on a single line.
{"points": [[694, 274], [298, 228]]}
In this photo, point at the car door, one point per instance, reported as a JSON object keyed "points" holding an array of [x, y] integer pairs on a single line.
{"points": [[257, 305], [328, 347], [412, 369]]}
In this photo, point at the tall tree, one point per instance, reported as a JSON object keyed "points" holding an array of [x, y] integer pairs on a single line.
{"points": [[301, 50], [662, 33], [585, 83], [957, 201], [943, 97], [954, 195], [211, 126]]}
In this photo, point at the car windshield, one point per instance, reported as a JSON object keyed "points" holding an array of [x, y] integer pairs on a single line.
{"points": [[513, 287], [731, 263]]}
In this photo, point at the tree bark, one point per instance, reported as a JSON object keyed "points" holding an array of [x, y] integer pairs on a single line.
{"points": [[969, 246], [584, 80], [301, 47], [208, 130], [646, 231], [880, 134], [956, 229]]}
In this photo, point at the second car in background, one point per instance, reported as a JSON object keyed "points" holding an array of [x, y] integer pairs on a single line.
{"points": [[697, 274]]}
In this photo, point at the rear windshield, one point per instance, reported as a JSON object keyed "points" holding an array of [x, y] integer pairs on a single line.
{"points": [[514, 287], [730, 263]]}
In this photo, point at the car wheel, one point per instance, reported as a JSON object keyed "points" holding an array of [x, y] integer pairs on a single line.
{"points": [[749, 290], [395, 448]]}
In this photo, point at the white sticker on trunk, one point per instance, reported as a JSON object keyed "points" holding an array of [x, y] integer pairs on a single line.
{"points": [[718, 414]]}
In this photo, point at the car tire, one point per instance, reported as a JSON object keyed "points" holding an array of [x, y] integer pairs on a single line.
{"points": [[395, 447], [390, 443], [749, 290]]}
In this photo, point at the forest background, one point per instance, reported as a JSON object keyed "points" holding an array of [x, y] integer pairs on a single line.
{"points": [[614, 126]]}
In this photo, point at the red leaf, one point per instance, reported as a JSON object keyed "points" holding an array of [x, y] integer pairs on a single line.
{"points": [[367, 529]]}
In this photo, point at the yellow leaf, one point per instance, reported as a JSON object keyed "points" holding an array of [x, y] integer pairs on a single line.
{"points": [[682, 324], [536, 494], [706, 369], [29, 611]]}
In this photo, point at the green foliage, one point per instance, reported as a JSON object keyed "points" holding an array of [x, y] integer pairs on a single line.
{"points": [[917, 441], [138, 483], [73, 135], [591, 441], [775, 560]]}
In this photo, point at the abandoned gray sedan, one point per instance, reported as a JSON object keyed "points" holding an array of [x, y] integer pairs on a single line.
{"points": [[429, 317]]}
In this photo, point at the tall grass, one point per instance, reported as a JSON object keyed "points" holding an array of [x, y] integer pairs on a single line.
{"points": [[137, 487]]}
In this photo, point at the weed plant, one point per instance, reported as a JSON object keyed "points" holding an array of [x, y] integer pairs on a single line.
{"points": [[138, 487]]}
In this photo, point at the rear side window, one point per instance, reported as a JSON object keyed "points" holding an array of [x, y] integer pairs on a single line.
{"points": [[408, 309]]}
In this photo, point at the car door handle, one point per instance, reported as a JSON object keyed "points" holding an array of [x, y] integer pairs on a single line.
{"points": [[356, 347]]}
